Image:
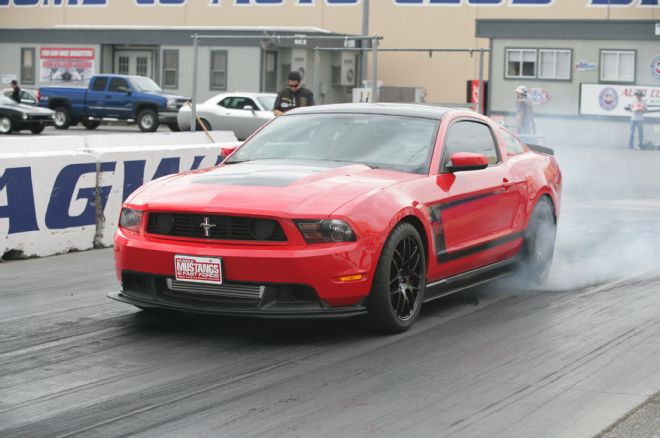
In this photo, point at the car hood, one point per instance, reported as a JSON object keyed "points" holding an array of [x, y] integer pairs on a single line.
{"points": [[282, 189], [165, 95], [26, 108]]}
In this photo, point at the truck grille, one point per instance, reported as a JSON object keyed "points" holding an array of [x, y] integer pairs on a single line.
{"points": [[215, 227]]}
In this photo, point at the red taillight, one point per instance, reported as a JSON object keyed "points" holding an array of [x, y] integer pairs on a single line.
{"points": [[38, 96]]}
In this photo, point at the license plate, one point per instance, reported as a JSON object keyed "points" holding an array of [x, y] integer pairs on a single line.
{"points": [[198, 269]]}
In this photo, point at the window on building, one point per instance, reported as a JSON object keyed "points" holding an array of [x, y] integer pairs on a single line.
{"points": [[27, 65], [218, 70], [122, 65], [270, 83], [469, 136], [170, 69], [617, 65], [520, 63], [554, 64]]}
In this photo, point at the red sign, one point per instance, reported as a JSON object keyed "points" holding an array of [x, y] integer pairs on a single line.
{"points": [[67, 53]]}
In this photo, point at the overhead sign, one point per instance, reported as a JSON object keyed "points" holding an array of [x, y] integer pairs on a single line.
{"points": [[612, 100]]}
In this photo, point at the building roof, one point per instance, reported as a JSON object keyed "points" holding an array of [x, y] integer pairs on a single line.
{"points": [[568, 29]]}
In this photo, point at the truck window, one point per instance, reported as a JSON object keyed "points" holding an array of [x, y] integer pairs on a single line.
{"points": [[99, 83], [118, 84]]}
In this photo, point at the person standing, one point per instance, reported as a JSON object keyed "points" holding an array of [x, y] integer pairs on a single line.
{"points": [[524, 112], [16, 91], [638, 108], [294, 96]]}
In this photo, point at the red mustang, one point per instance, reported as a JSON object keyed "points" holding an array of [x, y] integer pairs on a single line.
{"points": [[342, 210]]}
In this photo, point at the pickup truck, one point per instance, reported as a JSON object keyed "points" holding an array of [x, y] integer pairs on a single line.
{"points": [[134, 99]]}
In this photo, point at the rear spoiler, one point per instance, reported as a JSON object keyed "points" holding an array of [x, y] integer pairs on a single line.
{"points": [[541, 149]]}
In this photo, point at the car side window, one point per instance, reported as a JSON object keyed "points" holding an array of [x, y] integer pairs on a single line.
{"points": [[513, 145], [117, 83], [100, 83], [469, 136], [226, 102]]}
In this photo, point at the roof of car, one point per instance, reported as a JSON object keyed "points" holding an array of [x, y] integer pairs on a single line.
{"points": [[400, 109]]}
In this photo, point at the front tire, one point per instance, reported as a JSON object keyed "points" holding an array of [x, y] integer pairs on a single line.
{"points": [[147, 120], [6, 126], [37, 129], [204, 125], [62, 117], [398, 286], [174, 127], [539, 246]]}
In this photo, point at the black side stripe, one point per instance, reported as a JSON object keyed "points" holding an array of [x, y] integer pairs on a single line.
{"points": [[445, 256]]}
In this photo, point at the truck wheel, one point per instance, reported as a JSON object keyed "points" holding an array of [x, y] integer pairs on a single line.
{"points": [[62, 117], [174, 127], [5, 125], [91, 124], [147, 120], [37, 129]]}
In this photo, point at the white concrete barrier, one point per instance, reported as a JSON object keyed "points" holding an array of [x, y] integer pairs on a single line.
{"points": [[54, 201]]}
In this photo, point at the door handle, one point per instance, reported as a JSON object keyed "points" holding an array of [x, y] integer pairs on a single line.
{"points": [[506, 184]]}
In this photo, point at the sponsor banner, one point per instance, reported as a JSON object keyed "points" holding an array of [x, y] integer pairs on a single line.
{"points": [[53, 202], [67, 64], [538, 96], [655, 67], [612, 100]]}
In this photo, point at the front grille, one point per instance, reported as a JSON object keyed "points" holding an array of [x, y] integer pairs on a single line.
{"points": [[219, 227], [221, 290], [39, 117]]}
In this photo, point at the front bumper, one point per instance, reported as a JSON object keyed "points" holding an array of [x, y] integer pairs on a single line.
{"points": [[167, 117], [279, 269]]}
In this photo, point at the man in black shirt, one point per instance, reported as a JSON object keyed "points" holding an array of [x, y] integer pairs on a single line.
{"points": [[16, 93], [294, 96]]}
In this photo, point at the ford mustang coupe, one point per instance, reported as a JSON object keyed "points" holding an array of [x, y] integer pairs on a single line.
{"points": [[343, 210]]}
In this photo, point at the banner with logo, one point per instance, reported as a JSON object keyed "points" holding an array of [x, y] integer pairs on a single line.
{"points": [[67, 64], [612, 100]]}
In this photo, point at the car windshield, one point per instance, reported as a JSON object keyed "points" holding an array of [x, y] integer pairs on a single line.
{"points": [[266, 102], [399, 143], [144, 84]]}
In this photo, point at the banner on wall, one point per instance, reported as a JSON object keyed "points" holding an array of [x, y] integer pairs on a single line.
{"points": [[67, 64], [612, 100]]}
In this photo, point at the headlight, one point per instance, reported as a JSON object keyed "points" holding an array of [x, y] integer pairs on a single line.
{"points": [[52, 116], [326, 231], [130, 219], [171, 103], [25, 116]]}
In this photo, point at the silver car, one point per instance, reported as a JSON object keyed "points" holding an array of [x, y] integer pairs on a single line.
{"points": [[242, 113]]}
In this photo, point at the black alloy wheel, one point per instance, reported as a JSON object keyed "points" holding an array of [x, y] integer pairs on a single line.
{"points": [[538, 248], [62, 117], [398, 287]]}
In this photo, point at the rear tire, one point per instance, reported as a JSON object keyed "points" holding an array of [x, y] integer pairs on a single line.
{"points": [[91, 124], [398, 286], [37, 129], [538, 248], [205, 123], [6, 125], [174, 127], [147, 120], [62, 117]]}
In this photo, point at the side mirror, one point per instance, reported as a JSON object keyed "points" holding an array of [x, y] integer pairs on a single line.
{"points": [[124, 89], [461, 161], [228, 150], [249, 108]]}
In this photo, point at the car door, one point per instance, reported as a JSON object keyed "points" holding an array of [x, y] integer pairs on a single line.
{"points": [[234, 116], [96, 97], [475, 212], [118, 101]]}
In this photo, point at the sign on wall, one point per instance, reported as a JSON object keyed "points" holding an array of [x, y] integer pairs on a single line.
{"points": [[67, 64], [612, 100]]}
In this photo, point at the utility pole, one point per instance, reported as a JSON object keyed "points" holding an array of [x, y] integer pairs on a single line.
{"points": [[365, 31]]}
